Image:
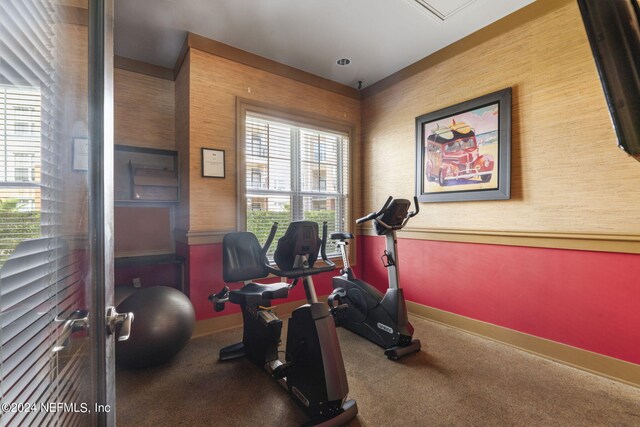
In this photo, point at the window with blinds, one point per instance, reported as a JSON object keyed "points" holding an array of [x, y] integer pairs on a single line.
{"points": [[19, 166], [294, 173]]}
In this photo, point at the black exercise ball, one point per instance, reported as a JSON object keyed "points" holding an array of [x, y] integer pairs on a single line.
{"points": [[121, 293], [162, 325]]}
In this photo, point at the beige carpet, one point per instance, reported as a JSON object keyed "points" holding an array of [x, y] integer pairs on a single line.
{"points": [[457, 379]]}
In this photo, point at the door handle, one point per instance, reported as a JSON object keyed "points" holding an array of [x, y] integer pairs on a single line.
{"points": [[119, 321], [77, 321]]}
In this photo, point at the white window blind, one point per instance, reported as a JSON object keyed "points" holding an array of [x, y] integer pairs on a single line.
{"points": [[295, 173]]}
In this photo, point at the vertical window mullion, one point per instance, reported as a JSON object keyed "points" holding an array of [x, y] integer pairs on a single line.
{"points": [[268, 157], [4, 136], [339, 187], [296, 178], [318, 139]]}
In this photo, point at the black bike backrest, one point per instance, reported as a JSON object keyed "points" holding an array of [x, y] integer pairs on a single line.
{"points": [[394, 215], [242, 258], [301, 238]]}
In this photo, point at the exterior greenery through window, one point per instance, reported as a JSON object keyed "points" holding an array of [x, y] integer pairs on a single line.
{"points": [[294, 173]]}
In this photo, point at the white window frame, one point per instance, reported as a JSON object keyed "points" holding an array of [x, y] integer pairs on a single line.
{"points": [[303, 120]]}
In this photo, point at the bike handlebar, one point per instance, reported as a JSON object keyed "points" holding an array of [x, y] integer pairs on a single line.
{"points": [[417, 205], [375, 215], [267, 244], [329, 266], [323, 248]]}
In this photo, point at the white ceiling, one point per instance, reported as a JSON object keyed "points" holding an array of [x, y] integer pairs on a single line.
{"points": [[380, 37]]}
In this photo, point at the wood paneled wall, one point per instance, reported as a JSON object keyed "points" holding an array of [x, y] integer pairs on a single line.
{"points": [[144, 116], [215, 83], [144, 110], [567, 173]]}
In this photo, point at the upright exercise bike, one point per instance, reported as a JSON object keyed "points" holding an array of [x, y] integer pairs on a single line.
{"points": [[313, 370], [363, 309]]}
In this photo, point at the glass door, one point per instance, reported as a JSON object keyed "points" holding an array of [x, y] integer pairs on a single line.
{"points": [[56, 351]]}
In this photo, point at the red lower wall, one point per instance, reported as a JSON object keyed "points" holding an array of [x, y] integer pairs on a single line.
{"points": [[589, 300]]}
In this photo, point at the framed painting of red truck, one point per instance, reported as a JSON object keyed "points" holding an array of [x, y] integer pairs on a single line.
{"points": [[463, 152]]}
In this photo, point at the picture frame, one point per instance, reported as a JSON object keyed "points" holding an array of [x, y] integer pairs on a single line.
{"points": [[80, 149], [213, 163], [463, 152]]}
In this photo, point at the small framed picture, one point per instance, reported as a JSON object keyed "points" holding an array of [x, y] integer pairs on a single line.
{"points": [[80, 154], [212, 163]]}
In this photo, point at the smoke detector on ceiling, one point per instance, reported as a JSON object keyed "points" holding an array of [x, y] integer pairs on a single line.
{"points": [[442, 9]]}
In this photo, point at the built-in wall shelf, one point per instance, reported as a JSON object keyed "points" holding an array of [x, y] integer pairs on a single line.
{"points": [[145, 175]]}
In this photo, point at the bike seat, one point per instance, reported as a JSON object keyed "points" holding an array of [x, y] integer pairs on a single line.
{"points": [[341, 236], [254, 290]]}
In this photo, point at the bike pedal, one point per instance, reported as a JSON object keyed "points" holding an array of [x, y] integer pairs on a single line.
{"points": [[340, 313], [282, 371]]}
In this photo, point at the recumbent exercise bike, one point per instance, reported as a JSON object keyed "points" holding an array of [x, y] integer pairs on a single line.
{"points": [[363, 309], [313, 371]]}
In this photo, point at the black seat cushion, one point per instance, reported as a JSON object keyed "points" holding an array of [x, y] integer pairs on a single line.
{"points": [[257, 292], [242, 258], [301, 238]]}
